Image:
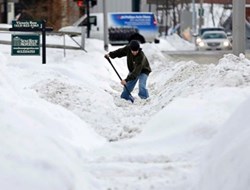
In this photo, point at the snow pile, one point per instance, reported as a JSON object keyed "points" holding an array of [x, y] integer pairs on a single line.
{"points": [[56, 121], [42, 144], [226, 164], [174, 42]]}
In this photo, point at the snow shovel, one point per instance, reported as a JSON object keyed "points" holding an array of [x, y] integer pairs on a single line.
{"points": [[131, 98]]}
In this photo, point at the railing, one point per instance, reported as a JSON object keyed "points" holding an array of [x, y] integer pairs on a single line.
{"points": [[79, 46]]}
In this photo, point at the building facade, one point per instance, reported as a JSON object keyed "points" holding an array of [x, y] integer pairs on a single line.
{"points": [[59, 13]]}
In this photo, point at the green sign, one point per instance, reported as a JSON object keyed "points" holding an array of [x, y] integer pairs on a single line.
{"points": [[24, 44], [201, 12], [26, 24]]}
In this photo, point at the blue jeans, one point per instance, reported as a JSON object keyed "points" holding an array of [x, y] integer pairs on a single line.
{"points": [[143, 92]]}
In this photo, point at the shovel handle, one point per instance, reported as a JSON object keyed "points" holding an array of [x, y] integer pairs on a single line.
{"points": [[107, 57]]}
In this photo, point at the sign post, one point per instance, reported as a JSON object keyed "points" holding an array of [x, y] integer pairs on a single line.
{"points": [[29, 44]]}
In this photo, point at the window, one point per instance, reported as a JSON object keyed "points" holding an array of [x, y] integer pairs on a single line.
{"points": [[92, 20]]}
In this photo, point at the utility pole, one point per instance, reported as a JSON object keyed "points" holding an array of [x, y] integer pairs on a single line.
{"points": [[201, 14], [88, 21], [5, 10], [136, 5], [239, 27], [193, 17], [105, 24]]}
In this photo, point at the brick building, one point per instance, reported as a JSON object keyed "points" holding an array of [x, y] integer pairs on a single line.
{"points": [[55, 12]]}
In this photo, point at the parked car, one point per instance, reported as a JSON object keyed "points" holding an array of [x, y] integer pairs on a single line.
{"points": [[214, 40], [5, 27]]}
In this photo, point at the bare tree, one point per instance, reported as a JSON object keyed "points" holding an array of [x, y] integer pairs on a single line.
{"points": [[212, 13]]}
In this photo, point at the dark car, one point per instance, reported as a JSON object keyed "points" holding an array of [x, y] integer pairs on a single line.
{"points": [[202, 30]]}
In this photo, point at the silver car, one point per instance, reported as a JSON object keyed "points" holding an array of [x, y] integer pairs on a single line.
{"points": [[213, 40]]}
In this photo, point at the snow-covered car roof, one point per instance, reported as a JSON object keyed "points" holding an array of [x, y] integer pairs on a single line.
{"points": [[5, 26]]}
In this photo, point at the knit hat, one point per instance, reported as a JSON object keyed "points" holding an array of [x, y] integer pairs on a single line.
{"points": [[134, 45]]}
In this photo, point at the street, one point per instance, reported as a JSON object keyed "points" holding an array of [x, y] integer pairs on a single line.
{"points": [[203, 57]]}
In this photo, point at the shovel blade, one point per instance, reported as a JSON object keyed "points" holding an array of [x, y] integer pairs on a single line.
{"points": [[131, 98]]}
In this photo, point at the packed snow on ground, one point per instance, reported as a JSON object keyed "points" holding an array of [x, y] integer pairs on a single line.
{"points": [[64, 126]]}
